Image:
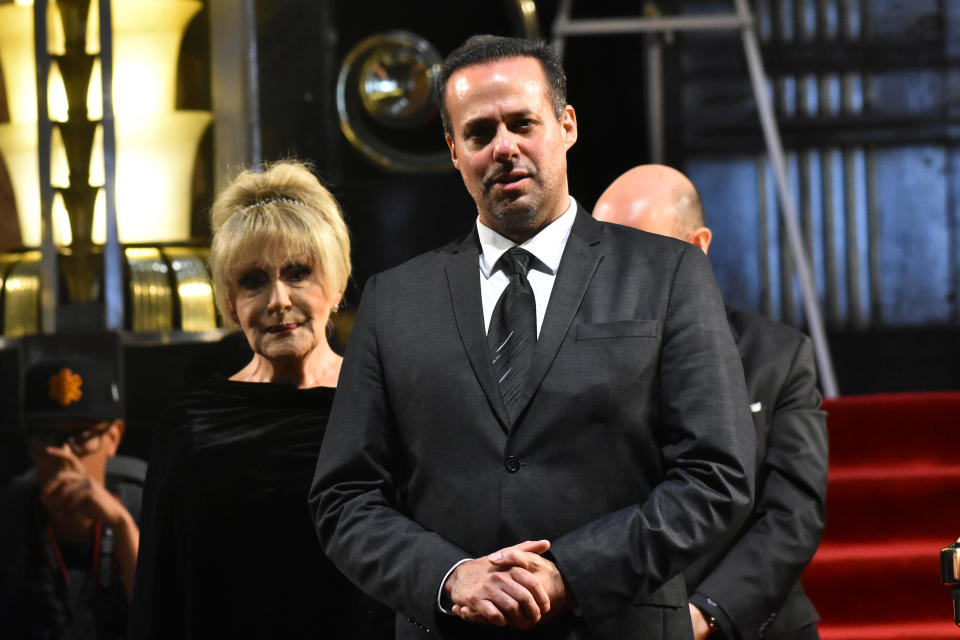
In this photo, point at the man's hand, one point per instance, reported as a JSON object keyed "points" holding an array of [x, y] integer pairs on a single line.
{"points": [[485, 592], [73, 491], [545, 571], [701, 628], [526, 557]]}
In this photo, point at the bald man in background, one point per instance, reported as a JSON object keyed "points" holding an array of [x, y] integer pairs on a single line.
{"points": [[750, 588]]}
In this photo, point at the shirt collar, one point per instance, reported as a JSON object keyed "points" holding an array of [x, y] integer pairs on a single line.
{"points": [[546, 246]]}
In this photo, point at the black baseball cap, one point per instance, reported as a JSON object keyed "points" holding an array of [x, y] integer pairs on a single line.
{"points": [[70, 388]]}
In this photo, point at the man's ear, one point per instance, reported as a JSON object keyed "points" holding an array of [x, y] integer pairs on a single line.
{"points": [[700, 237], [453, 150], [113, 436], [568, 123]]}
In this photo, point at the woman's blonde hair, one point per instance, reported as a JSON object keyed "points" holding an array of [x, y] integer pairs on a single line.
{"points": [[285, 209]]}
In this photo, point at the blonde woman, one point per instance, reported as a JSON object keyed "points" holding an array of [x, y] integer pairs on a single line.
{"points": [[228, 548]]}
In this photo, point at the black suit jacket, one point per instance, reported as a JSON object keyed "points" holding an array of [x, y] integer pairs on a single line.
{"points": [[634, 452], [753, 588]]}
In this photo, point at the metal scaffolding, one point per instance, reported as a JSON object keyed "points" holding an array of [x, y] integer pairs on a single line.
{"points": [[740, 19]]}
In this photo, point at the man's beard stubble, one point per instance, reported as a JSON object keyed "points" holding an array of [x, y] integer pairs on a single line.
{"points": [[509, 216]]}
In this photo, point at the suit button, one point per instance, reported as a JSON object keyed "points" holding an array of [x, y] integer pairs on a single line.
{"points": [[512, 464]]}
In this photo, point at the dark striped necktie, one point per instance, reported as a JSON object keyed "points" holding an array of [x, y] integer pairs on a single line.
{"points": [[513, 329]]}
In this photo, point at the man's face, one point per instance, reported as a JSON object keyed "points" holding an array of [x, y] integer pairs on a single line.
{"points": [[508, 144]]}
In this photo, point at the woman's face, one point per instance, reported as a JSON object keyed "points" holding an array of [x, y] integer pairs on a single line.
{"points": [[282, 307]]}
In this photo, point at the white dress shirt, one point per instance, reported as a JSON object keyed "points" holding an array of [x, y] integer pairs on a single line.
{"points": [[547, 247]]}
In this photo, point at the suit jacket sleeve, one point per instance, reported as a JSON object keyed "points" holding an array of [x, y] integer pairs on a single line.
{"points": [[708, 450], [751, 581], [352, 497]]}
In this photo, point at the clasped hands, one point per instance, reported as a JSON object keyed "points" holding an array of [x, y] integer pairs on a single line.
{"points": [[514, 586]]}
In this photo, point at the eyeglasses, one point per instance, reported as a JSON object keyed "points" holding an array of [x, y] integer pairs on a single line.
{"points": [[82, 441]]}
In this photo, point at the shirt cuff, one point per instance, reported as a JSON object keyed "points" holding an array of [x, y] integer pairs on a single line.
{"points": [[440, 599], [708, 606]]}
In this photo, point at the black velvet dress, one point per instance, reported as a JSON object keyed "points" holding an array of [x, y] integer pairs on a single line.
{"points": [[227, 545]]}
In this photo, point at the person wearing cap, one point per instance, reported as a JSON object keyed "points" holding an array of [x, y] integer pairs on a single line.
{"points": [[69, 532]]}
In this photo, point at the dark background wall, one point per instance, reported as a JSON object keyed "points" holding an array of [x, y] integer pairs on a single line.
{"points": [[868, 97]]}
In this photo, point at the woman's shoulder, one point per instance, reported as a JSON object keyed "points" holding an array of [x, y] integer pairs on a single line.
{"points": [[220, 391], [221, 411]]}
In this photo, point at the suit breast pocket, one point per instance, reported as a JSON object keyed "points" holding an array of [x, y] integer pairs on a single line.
{"points": [[618, 329], [612, 357]]}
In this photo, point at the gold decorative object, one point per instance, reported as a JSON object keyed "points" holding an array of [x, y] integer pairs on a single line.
{"points": [[194, 290], [155, 148], [150, 293], [21, 294]]}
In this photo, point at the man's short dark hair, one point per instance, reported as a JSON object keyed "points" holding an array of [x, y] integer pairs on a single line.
{"points": [[487, 48]]}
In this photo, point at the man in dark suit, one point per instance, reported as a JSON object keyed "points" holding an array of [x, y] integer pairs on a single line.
{"points": [[565, 501], [752, 589]]}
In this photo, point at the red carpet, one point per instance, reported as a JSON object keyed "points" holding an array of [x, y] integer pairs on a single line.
{"points": [[893, 501]]}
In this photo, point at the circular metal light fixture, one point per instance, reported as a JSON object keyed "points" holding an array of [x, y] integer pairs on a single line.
{"points": [[387, 88], [396, 85]]}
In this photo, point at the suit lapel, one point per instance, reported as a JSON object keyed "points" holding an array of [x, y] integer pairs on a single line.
{"points": [[577, 266], [463, 278]]}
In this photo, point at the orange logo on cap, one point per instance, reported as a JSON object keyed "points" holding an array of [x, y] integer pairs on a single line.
{"points": [[65, 387]]}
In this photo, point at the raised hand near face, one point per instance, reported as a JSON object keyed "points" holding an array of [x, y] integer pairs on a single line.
{"points": [[72, 490]]}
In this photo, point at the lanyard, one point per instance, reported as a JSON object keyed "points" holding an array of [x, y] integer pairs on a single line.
{"points": [[103, 546], [94, 587]]}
